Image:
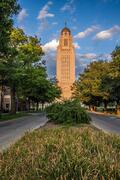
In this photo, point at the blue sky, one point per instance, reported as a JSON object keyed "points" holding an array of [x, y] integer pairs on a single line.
{"points": [[95, 26]]}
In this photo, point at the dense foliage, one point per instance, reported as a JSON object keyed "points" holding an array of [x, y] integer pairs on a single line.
{"points": [[67, 112], [100, 83], [23, 71], [63, 153], [8, 8]]}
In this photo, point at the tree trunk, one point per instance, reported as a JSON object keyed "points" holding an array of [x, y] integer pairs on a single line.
{"points": [[1, 102], [17, 104], [118, 108], [2, 97], [105, 106], [13, 100], [27, 105], [93, 108], [89, 108], [37, 106]]}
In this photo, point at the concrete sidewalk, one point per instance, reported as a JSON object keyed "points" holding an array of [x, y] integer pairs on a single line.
{"points": [[12, 130], [107, 123]]}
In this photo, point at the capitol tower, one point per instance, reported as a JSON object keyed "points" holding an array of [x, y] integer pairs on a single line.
{"points": [[65, 65]]}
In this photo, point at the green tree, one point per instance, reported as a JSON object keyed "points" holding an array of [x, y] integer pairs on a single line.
{"points": [[111, 80], [88, 86], [8, 8], [24, 52], [38, 88], [114, 75], [50, 92], [11, 65]]}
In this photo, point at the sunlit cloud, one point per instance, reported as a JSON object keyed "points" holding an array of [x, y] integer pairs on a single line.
{"points": [[93, 56], [69, 6], [108, 34], [43, 15], [22, 15], [76, 45], [44, 11], [50, 46], [86, 32]]}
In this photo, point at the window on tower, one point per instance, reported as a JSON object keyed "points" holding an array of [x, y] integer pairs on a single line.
{"points": [[65, 42]]}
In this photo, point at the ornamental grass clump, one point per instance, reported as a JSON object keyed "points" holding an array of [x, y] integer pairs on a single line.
{"points": [[63, 153], [67, 112]]}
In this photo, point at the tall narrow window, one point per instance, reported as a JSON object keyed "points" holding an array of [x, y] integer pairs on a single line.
{"points": [[65, 42]]}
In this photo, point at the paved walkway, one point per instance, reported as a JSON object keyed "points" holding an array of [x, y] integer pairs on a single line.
{"points": [[11, 131], [108, 123]]}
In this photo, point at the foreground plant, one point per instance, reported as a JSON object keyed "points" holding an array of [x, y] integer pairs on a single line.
{"points": [[68, 112], [63, 153]]}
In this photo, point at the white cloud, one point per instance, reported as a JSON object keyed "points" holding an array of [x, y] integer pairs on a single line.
{"points": [[43, 15], [87, 32], [93, 56], [44, 11], [105, 57], [50, 46], [22, 15], [69, 6], [108, 34], [76, 45], [82, 60], [88, 56]]}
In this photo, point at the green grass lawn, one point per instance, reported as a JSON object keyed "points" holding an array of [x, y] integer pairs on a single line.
{"points": [[5, 117], [63, 153]]}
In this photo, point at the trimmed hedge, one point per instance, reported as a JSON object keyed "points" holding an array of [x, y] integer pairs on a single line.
{"points": [[68, 112]]}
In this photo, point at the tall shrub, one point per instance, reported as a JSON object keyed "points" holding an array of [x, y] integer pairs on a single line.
{"points": [[67, 112]]}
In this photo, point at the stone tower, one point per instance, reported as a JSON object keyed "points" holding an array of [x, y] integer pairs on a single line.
{"points": [[65, 67]]}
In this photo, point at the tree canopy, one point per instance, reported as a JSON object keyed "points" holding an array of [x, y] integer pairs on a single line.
{"points": [[8, 8], [22, 70], [100, 82]]}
